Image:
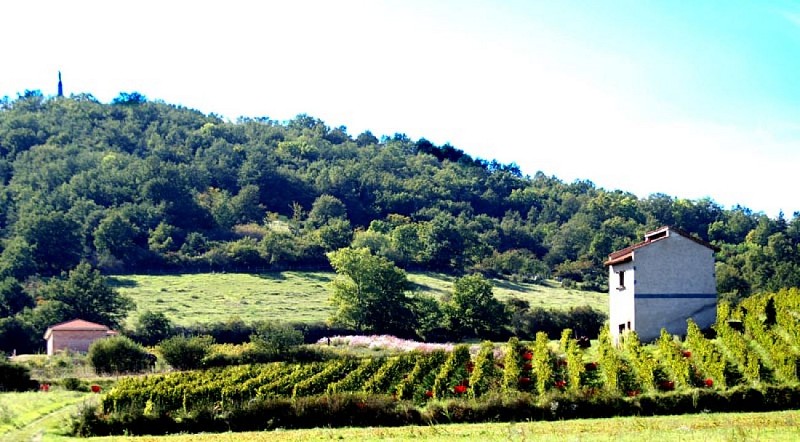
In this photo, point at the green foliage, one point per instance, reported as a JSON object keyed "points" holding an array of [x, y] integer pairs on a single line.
{"points": [[152, 328], [14, 377], [370, 293], [84, 293], [512, 365], [116, 355], [573, 361], [674, 359], [473, 311], [542, 362], [485, 376], [610, 361], [185, 353], [13, 298], [275, 338], [453, 374]]}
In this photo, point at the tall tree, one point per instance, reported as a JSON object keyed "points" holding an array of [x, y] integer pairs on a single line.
{"points": [[369, 293], [85, 294], [473, 311]]}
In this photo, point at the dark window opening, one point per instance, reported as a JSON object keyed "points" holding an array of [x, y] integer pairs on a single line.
{"points": [[621, 280], [621, 328]]}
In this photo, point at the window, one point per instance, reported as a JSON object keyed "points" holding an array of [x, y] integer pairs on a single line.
{"points": [[621, 280]]}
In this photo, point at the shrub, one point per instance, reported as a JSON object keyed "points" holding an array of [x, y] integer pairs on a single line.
{"points": [[276, 337], [186, 353], [118, 354], [15, 377]]}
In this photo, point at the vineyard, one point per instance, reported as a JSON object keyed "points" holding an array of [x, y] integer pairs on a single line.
{"points": [[756, 344]]}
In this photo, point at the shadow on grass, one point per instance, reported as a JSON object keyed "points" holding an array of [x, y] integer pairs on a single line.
{"points": [[272, 276], [118, 281]]}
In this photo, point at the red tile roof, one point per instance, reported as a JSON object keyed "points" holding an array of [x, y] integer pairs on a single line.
{"points": [[626, 254], [76, 325]]}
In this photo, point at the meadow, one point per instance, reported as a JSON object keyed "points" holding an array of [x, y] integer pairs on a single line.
{"points": [[299, 296]]}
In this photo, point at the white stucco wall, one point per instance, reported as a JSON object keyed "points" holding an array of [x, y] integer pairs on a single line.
{"points": [[674, 280], [621, 307]]}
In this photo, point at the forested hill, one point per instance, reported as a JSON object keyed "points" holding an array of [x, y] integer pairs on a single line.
{"points": [[138, 185]]}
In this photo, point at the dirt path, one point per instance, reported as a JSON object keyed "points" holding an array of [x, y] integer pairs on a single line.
{"points": [[42, 428]]}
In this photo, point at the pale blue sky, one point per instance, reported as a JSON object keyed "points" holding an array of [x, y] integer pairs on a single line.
{"points": [[691, 99]]}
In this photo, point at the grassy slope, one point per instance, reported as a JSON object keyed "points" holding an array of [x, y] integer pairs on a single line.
{"points": [[27, 415], [296, 296]]}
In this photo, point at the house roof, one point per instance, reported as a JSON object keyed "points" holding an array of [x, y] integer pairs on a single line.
{"points": [[626, 254], [75, 325]]}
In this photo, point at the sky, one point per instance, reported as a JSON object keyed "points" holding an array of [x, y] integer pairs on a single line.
{"points": [[693, 99]]}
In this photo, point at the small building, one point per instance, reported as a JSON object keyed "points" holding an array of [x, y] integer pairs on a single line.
{"points": [[76, 335], [660, 283]]}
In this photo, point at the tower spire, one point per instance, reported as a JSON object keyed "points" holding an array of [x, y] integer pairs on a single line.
{"points": [[60, 86]]}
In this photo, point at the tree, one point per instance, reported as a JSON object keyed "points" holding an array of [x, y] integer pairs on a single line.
{"points": [[55, 240], [86, 295], [473, 311], [369, 293], [17, 260], [115, 238], [152, 328], [325, 209], [13, 298]]}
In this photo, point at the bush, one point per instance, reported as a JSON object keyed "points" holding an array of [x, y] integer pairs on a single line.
{"points": [[15, 377], [118, 354], [276, 337], [186, 353]]}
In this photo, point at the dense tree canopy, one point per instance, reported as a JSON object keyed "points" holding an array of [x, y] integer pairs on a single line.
{"points": [[141, 185]]}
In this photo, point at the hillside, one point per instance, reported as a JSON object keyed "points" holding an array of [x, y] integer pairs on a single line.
{"points": [[145, 187], [190, 299], [141, 186]]}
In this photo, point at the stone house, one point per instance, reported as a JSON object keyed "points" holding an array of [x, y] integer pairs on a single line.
{"points": [[76, 335], [660, 283]]}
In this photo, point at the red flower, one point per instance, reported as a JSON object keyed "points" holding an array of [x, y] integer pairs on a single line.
{"points": [[527, 356], [633, 393], [460, 389], [95, 388], [667, 385], [428, 394], [524, 380], [44, 387], [561, 384], [708, 382], [591, 366], [686, 354]]}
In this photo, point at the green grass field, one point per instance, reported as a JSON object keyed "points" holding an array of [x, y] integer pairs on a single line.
{"points": [[33, 415], [297, 296]]}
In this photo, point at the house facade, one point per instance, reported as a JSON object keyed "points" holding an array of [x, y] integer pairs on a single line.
{"points": [[76, 335], [660, 283]]}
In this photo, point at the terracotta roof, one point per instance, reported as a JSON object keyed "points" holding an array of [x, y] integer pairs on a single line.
{"points": [[76, 325], [626, 254]]}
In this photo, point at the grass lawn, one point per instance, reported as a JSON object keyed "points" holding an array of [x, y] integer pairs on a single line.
{"points": [[775, 426], [24, 416], [297, 296]]}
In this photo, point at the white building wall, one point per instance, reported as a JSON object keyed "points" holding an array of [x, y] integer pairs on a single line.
{"points": [[674, 281], [622, 313]]}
